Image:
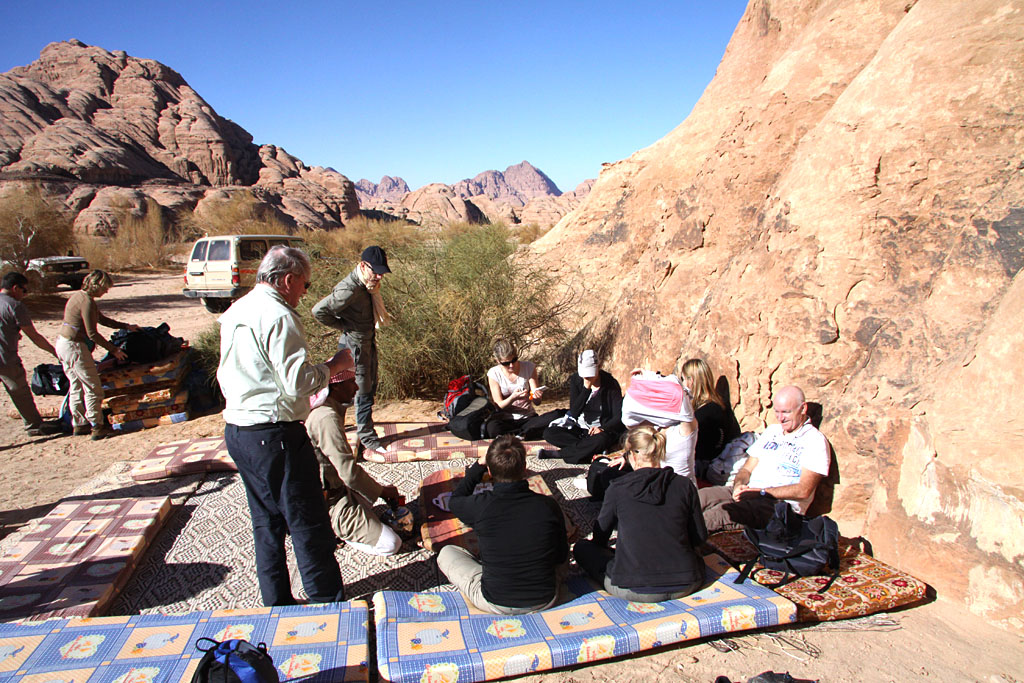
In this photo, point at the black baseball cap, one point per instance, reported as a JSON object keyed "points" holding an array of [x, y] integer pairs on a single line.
{"points": [[377, 259]]}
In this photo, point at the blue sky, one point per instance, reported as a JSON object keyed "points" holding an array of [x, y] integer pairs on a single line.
{"points": [[432, 92]]}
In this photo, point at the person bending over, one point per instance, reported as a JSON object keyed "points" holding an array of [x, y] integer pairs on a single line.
{"points": [[349, 489], [517, 572], [658, 516], [681, 435]]}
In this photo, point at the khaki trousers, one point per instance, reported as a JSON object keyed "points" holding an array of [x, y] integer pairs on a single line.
{"points": [[85, 396]]}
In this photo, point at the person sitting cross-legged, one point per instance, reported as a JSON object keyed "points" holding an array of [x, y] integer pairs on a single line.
{"points": [[349, 489], [658, 516], [594, 422], [523, 547]]}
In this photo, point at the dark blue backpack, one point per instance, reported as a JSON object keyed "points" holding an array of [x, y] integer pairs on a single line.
{"points": [[234, 661]]}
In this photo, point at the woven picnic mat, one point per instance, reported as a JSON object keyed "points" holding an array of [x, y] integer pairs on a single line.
{"points": [[865, 585], [416, 441], [203, 558], [440, 527]]}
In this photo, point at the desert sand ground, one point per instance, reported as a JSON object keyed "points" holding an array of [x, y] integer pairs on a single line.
{"points": [[938, 641]]}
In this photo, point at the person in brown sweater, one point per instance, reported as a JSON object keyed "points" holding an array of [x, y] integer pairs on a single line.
{"points": [[81, 315]]}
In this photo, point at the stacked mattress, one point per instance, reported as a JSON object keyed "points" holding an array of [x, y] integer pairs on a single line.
{"points": [[148, 394]]}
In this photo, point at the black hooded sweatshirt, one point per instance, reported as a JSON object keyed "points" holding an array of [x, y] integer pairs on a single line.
{"points": [[660, 525]]}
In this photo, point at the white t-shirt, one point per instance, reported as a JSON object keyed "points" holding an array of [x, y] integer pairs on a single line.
{"points": [[781, 457], [680, 452], [522, 407]]}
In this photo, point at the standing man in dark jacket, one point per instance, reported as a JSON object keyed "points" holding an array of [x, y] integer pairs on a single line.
{"points": [[523, 547], [594, 423], [356, 308]]}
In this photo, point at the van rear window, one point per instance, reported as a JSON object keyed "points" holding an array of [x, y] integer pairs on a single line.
{"points": [[220, 250], [251, 250], [199, 251]]}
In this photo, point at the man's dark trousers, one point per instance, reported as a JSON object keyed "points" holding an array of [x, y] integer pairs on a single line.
{"points": [[282, 484]]}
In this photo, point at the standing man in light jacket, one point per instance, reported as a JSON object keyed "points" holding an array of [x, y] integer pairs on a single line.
{"points": [[356, 308], [267, 379]]}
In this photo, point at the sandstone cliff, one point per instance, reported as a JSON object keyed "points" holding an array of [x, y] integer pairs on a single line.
{"points": [[844, 210], [86, 119]]}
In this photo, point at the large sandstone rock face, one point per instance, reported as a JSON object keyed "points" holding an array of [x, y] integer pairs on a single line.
{"points": [[106, 119], [844, 210]]}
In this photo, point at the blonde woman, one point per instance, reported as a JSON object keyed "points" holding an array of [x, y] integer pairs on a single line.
{"points": [[514, 389], [658, 515], [81, 315], [715, 428]]}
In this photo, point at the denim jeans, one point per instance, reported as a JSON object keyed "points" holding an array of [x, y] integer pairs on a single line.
{"points": [[282, 485], [364, 353]]}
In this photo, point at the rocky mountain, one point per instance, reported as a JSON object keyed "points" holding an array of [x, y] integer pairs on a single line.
{"points": [[844, 210], [103, 129], [387, 190], [516, 186], [520, 194]]}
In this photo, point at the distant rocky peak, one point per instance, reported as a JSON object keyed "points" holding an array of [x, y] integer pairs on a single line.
{"points": [[388, 189], [516, 186]]}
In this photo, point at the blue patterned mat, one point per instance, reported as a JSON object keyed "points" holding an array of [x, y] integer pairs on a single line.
{"points": [[435, 637], [326, 642]]}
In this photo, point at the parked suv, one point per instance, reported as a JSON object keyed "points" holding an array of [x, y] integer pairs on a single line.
{"points": [[51, 271], [222, 268]]}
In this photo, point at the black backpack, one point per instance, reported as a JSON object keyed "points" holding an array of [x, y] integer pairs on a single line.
{"points": [[234, 661], [49, 380], [466, 407], [795, 545]]}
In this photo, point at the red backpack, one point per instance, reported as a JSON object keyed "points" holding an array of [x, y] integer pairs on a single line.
{"points": [[466, 406]]}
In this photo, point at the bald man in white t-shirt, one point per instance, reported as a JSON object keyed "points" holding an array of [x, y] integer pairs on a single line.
{"points": [[787, 462]]}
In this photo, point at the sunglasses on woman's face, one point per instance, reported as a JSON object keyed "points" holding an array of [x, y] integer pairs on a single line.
{"points": [[508, 363]]}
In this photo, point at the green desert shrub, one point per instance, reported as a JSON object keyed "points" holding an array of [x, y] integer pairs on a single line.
{"points": [[206, 353], [451, 294]]}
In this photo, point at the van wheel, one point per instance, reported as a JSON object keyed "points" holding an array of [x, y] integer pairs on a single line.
{"points": [[216, 305]]}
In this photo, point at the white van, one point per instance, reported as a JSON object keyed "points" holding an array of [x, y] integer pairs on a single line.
{"points": [[222, 268]]}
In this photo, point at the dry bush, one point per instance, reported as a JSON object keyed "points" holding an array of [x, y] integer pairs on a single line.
{"points": [[141, 240], [347, 243], [530, 232], [32, 226], [241, 214]]}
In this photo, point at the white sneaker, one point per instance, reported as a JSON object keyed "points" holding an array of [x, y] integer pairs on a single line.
{"points": [[580, 482]]}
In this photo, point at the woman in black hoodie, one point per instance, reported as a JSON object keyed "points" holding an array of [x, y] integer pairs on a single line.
{"points": [[660, 525]]}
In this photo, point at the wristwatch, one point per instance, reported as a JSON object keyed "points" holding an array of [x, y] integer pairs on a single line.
{"points": [[763, 493]]}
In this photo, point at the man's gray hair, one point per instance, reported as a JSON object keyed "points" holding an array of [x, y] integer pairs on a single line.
{"points": [[281, 261]]}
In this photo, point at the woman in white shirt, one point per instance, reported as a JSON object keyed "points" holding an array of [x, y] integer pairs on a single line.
{"points": [[514, 390]]}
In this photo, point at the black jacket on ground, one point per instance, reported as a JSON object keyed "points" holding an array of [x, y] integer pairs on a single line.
{"points": [[522, 538], [660, 526], [611, 401]]}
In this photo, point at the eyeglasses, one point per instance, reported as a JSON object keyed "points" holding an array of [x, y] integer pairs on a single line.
{"points": [[306, 286], [509, 363]]}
